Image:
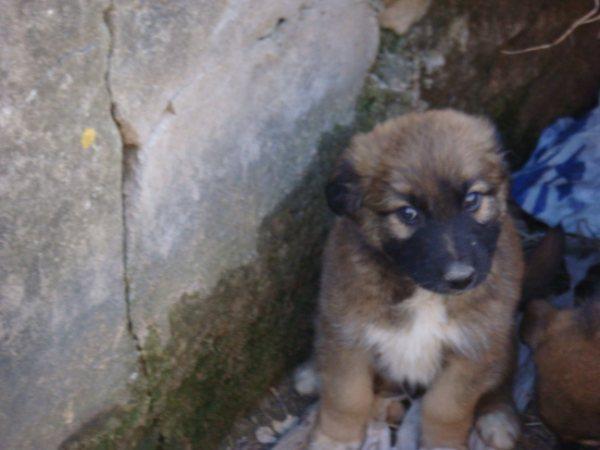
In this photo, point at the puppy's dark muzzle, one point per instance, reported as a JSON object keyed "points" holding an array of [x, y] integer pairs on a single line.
{"points": [[446, 257]]}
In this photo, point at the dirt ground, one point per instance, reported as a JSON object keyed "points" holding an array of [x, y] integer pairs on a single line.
{"points": [[283, 401]]}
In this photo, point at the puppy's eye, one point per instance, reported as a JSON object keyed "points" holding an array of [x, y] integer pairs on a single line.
{"points": [[472, 201], [408, 215]]}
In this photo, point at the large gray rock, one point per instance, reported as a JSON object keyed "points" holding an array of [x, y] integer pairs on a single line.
{"points": [[65, 353], [223, 104], [220, 107]]}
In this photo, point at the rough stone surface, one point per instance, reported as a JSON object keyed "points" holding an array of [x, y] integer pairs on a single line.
{"points": [[226, 115], [453, 57], [187, 134], [65, 354]]}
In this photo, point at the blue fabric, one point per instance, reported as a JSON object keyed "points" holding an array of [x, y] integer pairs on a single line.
{"points": [[560, 184]]}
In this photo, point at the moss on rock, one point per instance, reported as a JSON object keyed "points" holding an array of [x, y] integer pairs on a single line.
{"points": [[228, 348]]}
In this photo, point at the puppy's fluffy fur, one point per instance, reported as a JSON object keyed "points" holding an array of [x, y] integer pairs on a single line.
{"points": [[421, 277], [566, 345]]}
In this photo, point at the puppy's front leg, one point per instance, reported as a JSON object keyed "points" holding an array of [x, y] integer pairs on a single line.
{"points": [[346, 400], [497, 424], [449, 405]]}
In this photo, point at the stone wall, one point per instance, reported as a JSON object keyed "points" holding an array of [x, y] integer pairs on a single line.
{"points": [[152, 154], [161, 181], [65, 350]]}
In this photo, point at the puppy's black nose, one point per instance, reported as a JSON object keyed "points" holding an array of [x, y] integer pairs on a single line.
{"points": [[459, 275]]}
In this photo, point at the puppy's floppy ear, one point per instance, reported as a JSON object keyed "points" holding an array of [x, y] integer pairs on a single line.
{"points": [[343, 191]]}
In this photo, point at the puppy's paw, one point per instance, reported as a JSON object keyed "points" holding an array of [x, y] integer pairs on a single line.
{"points": [[320, 441], [495, 430], [306, 379], [377, 437]]}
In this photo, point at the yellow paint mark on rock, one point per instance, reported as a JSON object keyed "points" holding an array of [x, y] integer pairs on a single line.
{"points": [[87, 138]]}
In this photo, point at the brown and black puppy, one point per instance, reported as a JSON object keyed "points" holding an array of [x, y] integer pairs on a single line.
{"points": [[421, 277], [566, 346]]}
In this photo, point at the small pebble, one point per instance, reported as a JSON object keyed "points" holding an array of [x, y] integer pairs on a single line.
{"points": [[265, 435], [281, 426]]}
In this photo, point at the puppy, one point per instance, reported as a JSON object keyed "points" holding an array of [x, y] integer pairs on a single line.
{"points": [[566, 346], [421, 276]]}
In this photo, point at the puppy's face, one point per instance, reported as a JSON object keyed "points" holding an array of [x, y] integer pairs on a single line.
{"points": [[428, 190]]}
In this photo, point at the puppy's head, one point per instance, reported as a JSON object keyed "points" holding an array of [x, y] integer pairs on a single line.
{"points": [[428, 190]]}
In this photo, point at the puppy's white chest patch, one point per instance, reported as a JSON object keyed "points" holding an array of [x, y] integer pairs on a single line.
{"points": [[413, 352]]}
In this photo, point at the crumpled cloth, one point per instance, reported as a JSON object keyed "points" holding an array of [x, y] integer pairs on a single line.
{"points": [[560, 184]]}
